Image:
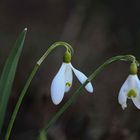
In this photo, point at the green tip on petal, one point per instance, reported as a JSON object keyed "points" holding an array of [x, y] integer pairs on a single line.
{"points": [[68, 84], [67, 57], [132, 93], [133, 68]]}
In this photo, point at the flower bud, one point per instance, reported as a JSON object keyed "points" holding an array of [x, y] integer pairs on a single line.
{"points": [[133, 68], [67, 57]]}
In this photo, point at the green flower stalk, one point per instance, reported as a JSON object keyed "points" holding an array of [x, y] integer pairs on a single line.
{"points": [[56, 116], [29, 80], [64, 78]]}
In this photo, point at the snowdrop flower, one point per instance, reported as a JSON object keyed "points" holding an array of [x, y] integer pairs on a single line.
{"points": [[130, 89], [62, 82]]}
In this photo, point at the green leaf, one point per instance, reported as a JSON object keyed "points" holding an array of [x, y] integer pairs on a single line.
{"points": [[42, 136], [8, 75]]}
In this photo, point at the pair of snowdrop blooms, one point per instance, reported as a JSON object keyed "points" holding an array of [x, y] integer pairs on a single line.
{"points": [[62, 83]]}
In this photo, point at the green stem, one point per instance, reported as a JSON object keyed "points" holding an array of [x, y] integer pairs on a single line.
{"points": [[53, 46], [130, 58], [77, 92], [24, 91], [42, 136]]}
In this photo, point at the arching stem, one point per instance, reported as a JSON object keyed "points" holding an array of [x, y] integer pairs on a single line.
{"points": [[28, 82], [130, 58]]}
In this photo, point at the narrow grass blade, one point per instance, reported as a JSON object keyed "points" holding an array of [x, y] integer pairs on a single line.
{"points": [[8, 74]]}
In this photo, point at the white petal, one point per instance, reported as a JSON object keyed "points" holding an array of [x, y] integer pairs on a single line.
{"points": [[68, 78], [82, 78], [136, 83], [122, 98], [132, 82], [136, 101], [58, 85]]}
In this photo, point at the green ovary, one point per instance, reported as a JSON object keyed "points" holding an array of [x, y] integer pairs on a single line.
{"points": [[132, 93], [67, 57]]}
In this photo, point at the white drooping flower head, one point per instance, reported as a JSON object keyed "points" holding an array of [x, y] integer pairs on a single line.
{"points": [[130, 89], [62, 82]]}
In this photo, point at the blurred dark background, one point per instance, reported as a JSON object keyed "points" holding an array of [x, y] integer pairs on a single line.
{"points": [[97, 30]]}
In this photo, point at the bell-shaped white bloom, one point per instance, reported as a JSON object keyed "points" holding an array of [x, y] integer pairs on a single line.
{"points": [[131, 90], [62, 82]]}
